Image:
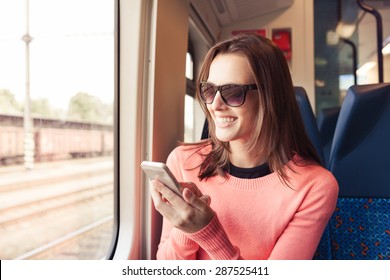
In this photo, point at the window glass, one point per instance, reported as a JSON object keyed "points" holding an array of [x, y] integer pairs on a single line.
{"points": [[346, 48], [189, 119], [189, 67], [56, 128], [189, 100]]}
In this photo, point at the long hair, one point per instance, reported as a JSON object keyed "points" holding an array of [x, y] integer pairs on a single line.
{"points": [[279, 128]]}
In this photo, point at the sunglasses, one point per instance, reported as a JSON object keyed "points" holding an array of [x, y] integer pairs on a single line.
{"points": [[233, 95]]}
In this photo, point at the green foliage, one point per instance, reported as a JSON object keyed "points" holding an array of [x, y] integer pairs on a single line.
{"points": [[8, 103], [86, 107], [41, 106], [82, 107]]}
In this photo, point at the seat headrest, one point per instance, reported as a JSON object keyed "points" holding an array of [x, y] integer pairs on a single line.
{"points": [[360, 154], [309, 120], [326, 122], [362, 108]]}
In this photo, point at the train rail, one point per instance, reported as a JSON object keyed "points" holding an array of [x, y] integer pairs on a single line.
{"points": [[53, 196], [53, 172], [28, 210], [68, 245]]}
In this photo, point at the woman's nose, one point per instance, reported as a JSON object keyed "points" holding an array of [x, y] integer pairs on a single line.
{"points": [[218, 102]]}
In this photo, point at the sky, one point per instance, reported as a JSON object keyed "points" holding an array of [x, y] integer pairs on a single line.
{"points": [[72, 49]]}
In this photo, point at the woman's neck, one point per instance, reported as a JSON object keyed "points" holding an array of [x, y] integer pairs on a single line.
{"points": [[241, 157]]}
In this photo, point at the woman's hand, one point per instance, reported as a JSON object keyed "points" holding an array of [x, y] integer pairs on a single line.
{"points": [[190, 213]]}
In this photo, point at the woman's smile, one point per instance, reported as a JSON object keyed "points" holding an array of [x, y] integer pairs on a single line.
{"points": [[224, 121]]}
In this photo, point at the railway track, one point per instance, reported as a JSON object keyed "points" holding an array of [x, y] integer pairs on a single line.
{"points": [[68, 246], [63, 205], [28, 210], [16, 177]]}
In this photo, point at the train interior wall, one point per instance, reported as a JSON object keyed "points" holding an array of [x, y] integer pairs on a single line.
{"points": [[169, 84]]}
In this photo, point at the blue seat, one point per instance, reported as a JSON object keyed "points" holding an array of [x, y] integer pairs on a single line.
{"points": [[326, 122], [308, 118], [360, 161], [205, 131]]}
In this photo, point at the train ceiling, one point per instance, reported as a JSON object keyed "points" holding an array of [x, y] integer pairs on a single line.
{"points": [[232, 11]]}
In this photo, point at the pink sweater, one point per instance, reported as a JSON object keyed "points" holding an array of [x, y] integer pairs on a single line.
{"points": [[255, 218]]}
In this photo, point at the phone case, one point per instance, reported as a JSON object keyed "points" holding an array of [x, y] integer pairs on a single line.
{"points": [[160, 171]]}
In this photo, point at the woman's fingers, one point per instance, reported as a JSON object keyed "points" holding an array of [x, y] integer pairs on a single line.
{"points": [[167, 195], [199, 203], [206, 199], [192, 187], [189, 213], [160, 203]]}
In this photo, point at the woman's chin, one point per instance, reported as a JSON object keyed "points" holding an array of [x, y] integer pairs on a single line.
{"points": [[224, 137]]}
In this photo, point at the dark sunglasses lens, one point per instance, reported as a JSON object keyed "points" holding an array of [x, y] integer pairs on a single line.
{"points": [[233, 95], [207, 93]]}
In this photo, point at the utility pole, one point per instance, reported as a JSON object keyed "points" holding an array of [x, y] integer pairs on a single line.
{"points": [[29, 145]]}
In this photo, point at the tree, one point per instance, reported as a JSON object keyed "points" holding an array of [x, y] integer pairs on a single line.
{"points": [[41, 106], [8, 103], [86, 107]]}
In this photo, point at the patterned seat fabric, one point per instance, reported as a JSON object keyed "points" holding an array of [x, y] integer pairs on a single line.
{"points": [[359, 229], [324, 250]]}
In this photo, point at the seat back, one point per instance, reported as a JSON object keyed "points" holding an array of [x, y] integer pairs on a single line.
{"points": [[360, 154], [309, 120], [360, 161], [326, 123], [205, 131]]}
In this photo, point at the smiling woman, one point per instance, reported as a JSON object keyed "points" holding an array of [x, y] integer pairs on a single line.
{"points": [[91, 89], [288, 198]]}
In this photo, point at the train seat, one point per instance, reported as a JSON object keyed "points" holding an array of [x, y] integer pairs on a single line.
{"points": [[326, 122], [309, 120], [205, 131], [359, 159]]}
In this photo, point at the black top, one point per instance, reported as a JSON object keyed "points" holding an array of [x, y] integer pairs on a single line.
{"points": [[249, 173]]}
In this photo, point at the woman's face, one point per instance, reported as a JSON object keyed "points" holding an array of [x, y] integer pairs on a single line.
{"points": [[233, 123]]}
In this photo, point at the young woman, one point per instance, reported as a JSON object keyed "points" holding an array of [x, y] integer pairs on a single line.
{"points": [[256, 188]]}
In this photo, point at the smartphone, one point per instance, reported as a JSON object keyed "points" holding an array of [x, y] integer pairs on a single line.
{"points": [[161, 172]]}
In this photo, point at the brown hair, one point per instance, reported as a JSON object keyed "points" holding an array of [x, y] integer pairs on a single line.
{"points": [[279, 124]]}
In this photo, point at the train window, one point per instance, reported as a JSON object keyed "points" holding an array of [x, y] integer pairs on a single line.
{"points": [[189, 119], [189, 66], [189, 100], [56, 129], [346, 48], [333, 61]]}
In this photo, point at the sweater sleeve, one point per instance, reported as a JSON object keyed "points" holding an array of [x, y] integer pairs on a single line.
{"points": [[302, 235], [215, 242], [174, 244]]}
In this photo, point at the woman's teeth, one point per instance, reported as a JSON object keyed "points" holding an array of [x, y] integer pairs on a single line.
{"points": [[225, 120]]}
